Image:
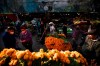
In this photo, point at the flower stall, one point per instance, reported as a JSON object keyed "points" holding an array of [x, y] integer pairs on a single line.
{"points": [[12, 57], [58, 42]]}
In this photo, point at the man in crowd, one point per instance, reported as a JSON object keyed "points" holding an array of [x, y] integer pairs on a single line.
{"points": [[9, 38], [91, 48]]}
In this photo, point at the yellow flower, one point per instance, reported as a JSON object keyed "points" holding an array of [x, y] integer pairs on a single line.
{"points": [[48, 55], [77, 54], [41, 50], [37, 55], [14, 55], [33, 55], [20, 54], [26, 57], [56, 57], [78, 60], [13, 62], [64, 58], [74, 54], [2, 53], [2, 62], [10, 51]]}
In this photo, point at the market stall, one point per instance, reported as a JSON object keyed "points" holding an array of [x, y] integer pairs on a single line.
{"points": [[58, 41]]}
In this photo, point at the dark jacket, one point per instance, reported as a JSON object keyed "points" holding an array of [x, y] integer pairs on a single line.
{"points": [[9, 40]]}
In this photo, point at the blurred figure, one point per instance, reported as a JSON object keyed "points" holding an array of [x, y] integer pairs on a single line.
{"points": [[52, 28], [76, 37], [43, 33], [26, 37], [91, 48], [65, 29], [9, 38], [18, 24]]}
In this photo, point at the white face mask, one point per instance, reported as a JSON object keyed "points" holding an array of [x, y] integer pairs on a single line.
{"points": [[11, 33]]}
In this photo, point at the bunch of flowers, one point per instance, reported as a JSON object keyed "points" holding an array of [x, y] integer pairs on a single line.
{"points": [[50, 58], [57, 43]]}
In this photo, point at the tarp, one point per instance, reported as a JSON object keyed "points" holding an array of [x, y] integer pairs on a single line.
{"points": [[13, 17]]}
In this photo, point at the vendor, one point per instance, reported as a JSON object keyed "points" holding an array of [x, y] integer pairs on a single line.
{"points": [[91, 48], [52, 28]]}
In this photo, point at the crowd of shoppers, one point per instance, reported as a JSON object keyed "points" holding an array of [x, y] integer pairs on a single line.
{"points": [[86, 41]]}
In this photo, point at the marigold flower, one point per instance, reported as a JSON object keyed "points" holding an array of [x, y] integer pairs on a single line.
{"points": [[56, 57], [57, 43], [20, 54], [10, 51], [26, 57], [14, 55], [15, 62], [2, 62]]}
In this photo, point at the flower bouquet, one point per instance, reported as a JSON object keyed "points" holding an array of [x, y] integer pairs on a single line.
{"points": [[50, 58]]}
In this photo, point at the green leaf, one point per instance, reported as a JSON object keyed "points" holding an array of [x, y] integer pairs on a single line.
{"points": [[73, 62]]}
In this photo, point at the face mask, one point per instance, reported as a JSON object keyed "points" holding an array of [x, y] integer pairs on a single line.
{"points": [[11, 33]]}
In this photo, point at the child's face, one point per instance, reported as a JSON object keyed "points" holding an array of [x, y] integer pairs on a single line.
{"points": [[23, 30]]}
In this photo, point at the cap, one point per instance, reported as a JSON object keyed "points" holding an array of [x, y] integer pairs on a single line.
{"points": [[24, 26], [93, 31], [51, 23], [10, 28]]}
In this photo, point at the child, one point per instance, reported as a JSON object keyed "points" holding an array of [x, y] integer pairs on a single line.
{"points": [[26, 37]]}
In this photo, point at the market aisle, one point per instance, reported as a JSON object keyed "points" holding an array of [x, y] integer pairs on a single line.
{"points": [[36, 45]]}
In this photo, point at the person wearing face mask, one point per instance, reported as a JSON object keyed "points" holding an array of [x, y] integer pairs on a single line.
{"points": [[9, 38], [26, 38]]}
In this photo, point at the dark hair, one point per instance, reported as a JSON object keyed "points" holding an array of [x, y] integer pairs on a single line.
{"points": [[23, 27], [10, 28]]}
